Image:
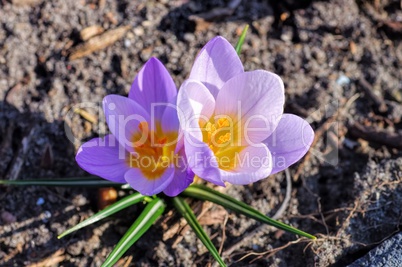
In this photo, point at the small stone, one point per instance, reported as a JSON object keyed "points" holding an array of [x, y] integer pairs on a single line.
{"points": [[7, 217], [46, 216], [40, 201], [127, 43], [139, 31], [343, 80], [189, 37]]}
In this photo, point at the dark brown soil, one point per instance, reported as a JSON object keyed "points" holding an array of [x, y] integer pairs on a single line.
{"points": [[341, 61]]}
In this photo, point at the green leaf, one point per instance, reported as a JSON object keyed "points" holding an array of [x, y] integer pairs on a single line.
{"points": [[151, 213], [205, 193], [115, 207], [241, 40], [188, 214], [72, 181]]}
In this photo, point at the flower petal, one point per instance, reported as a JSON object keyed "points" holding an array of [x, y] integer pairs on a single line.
{"points": [[195, 103], [149, 187], [153, 85], [182, 178], [290, 141], [170, 120], [253, 164], [255, 102], [103, 157], [216, 63], [202, 160], [123, 116]]}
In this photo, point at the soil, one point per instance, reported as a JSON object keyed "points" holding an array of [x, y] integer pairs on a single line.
{"points": [[341, 62]]}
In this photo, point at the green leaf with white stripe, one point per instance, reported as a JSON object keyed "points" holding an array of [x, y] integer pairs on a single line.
{"points": [[153, 210], [188, 214], [205, 193], [115, 207]]}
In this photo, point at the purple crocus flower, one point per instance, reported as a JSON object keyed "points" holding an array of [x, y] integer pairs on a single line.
{"points": [[145, 147], [234, 127]]}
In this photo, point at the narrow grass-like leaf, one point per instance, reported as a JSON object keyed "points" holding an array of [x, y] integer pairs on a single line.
{"points": [[115, 207], [188, 214], [205, 193], [241, 40], [90, 181], [151, 213]]}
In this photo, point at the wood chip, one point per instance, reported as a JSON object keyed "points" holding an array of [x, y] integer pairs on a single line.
{"points": [[200, 23], [106, 197], [98, 42], [86, 115], [112, 18], [19, 158], [372, 134], [90, 32], [212, 217], [394, 27], [377, 99], [52, 260], [352, 47], [26, 2]]}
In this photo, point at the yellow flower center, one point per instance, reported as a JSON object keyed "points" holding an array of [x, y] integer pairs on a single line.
{"points": [[220, 135], [154, 150], [217, 134]]}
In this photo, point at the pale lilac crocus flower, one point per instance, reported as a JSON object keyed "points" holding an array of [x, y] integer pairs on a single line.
{"points": [[235, 129], [144, 148]]}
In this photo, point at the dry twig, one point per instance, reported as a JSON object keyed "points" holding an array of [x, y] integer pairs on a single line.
{"points": [[98, 42]]}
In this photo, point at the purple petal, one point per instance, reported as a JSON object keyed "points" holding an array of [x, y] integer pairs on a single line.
{"points": [[104, 157], [253, 164], [194, 103], [149, 187], [202, 160], [170, 120], [123, 116], [216, 63], [254, 100], [290, 141], [153, 85], [182, 178]]}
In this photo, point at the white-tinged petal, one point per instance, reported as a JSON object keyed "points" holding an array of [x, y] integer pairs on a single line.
{"points": [[146, 186], [289, 142], [255, 101], [216, 63], [195, 106], [253, 163]]}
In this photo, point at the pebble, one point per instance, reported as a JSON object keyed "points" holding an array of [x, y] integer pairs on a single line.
{"points": [[343, 80], [40, 201], [46, 216], [7, 217], [127, 43]]}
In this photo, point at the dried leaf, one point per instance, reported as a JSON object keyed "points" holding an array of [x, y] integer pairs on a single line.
{"points": [[212, 217], [90, 32], [98, 42], [26, 2], [52, 260], [86, 115]]}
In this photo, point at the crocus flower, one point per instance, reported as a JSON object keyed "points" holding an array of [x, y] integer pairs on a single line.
{"points": [[144, 148], [234, 127]]}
